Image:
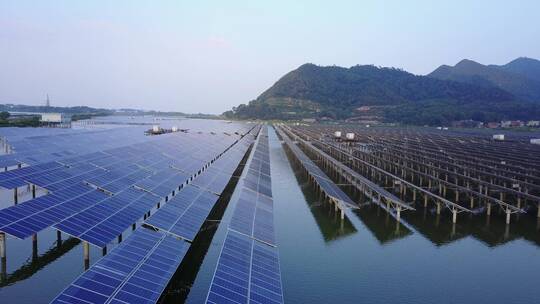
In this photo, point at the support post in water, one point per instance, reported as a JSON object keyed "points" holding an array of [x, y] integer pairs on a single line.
{"points": [[2, 245], [86, 255]]}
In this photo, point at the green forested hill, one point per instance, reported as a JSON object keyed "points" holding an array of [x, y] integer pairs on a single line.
{"points": [[389, 94]]}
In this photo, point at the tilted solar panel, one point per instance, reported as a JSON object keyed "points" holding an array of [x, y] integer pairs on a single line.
{"points": [[137, 271]]}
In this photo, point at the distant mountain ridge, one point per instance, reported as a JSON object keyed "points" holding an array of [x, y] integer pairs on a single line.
{"points": [[468, 90], [520, 77]]}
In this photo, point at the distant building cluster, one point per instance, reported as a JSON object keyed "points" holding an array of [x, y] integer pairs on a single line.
{"points": [[494, 125]]}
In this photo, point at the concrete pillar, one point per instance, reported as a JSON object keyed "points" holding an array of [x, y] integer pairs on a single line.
{"points": [[414, 195], [438, 207], [538, 213], [454, 216], [342, 214], [2, 245], [398, 213], [507, 216], [86, 255], [472, 202], [425, 200], [488, 211], [58, 237]]}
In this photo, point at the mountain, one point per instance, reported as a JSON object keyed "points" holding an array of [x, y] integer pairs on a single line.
{"points": [[366, 92], [524, 66], [520, 77]]}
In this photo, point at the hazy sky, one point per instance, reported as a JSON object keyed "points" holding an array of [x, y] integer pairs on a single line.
{"points": [[206, 56]]}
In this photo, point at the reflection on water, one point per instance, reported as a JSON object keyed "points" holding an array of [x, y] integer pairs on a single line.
{"points": [[327, 218], [37, 262], [381, 224], [491, 231]]}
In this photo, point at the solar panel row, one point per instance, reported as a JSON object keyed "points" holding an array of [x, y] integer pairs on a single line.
{"points": [[185, 213], [248, 266], [247, 272], [103, 222], [329, 187], [31, 217], [137, 271]]}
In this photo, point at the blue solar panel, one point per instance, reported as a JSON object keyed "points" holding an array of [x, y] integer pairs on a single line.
{"points": [[248, 267], [137, 271], [103, 222], [212, 180], [33, 216], [185, 213], [247, 272], [253, 216]]}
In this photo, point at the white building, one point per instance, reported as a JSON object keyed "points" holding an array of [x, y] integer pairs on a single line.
{"points": [[55, 117], [61, 120]]}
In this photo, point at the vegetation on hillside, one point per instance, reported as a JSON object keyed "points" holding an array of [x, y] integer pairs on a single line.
{"points": [[334, 92]]}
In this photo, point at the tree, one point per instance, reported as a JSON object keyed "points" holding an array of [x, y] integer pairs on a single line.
{"points": [[4, 115]]}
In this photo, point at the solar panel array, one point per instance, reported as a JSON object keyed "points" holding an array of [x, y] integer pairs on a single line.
{"points": [[329, 187], [248, 267], [185, 213], [138, 269], [86, 187]]}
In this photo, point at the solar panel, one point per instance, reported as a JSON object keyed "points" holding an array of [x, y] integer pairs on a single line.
{"points": [[137, 271], [253, 216], [45, 211], [185, 213], [212, 180], [247, 272], [103, 222]]}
